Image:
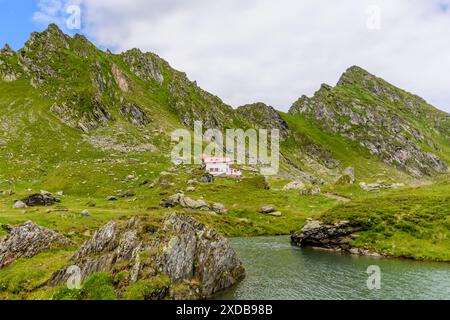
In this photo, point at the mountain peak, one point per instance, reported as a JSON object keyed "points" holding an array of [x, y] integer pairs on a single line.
{"points": [[53, 28], [354, 75], [7, 50], [48, 40]]}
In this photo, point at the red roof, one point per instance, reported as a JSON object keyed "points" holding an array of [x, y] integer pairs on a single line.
{"points": [[207, 159]]}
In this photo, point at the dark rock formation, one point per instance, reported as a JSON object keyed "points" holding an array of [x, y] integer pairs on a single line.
{"points": [[28, 240], [40, 199], [183, 249], [320, 235]]}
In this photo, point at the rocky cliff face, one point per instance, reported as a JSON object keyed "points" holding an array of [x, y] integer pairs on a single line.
{"points": [[391, 123], [183, 249]]}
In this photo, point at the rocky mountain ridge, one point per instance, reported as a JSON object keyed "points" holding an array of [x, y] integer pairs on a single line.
{"points": [[130, 102]]}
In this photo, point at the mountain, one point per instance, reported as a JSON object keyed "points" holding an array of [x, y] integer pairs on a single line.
{"points": [[400, 128], [130, 102]]}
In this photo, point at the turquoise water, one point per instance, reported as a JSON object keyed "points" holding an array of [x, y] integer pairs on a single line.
{"points": [[276, 270]]}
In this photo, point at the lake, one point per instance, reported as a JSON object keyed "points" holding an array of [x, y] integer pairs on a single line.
{"points": [[277, 270]]}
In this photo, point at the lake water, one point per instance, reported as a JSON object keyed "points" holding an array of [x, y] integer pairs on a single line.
{"points": [[277, 270]]}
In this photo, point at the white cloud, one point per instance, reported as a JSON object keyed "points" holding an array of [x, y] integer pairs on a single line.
{"points": [[275, 51], [56, 11]]}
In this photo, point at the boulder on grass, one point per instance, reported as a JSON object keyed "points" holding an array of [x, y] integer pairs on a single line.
{"points": [[40, 200]]}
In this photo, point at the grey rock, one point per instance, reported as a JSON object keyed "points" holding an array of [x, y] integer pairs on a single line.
{"points": [[20, 205], [219, 208], [190, 189], [347, 177], [28, 240], [189, 203], [267, 209], [171, 201], [321, 235], [207, 179], [294, 185], [111, 198], [371, 187], [182, 248], [8, 192], [135, 114], [127, 194], [185, 202], [154, 183], [86, 213]]}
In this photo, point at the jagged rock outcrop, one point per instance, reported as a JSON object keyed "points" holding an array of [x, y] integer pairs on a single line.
{"points": [[367, 109], [8, 72], [262, 116], [146, 66], [28, 240], [183, 249], [134, 114], [320, 235]]}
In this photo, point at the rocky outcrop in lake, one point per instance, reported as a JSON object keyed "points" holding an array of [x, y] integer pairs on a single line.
{"points": [[320, 235]]}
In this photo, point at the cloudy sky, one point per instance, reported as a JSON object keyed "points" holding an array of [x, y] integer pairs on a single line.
{"points": [[273, 51]]}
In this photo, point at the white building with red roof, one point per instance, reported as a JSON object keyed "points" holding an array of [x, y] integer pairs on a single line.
{"points": [[220, 166]]}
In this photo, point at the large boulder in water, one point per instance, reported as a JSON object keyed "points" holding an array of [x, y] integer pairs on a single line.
{"points": [[182, 249], [329, 236], [28, 240]]}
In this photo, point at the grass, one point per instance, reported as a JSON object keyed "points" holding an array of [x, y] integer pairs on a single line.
{"points": [[409, 222]]}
